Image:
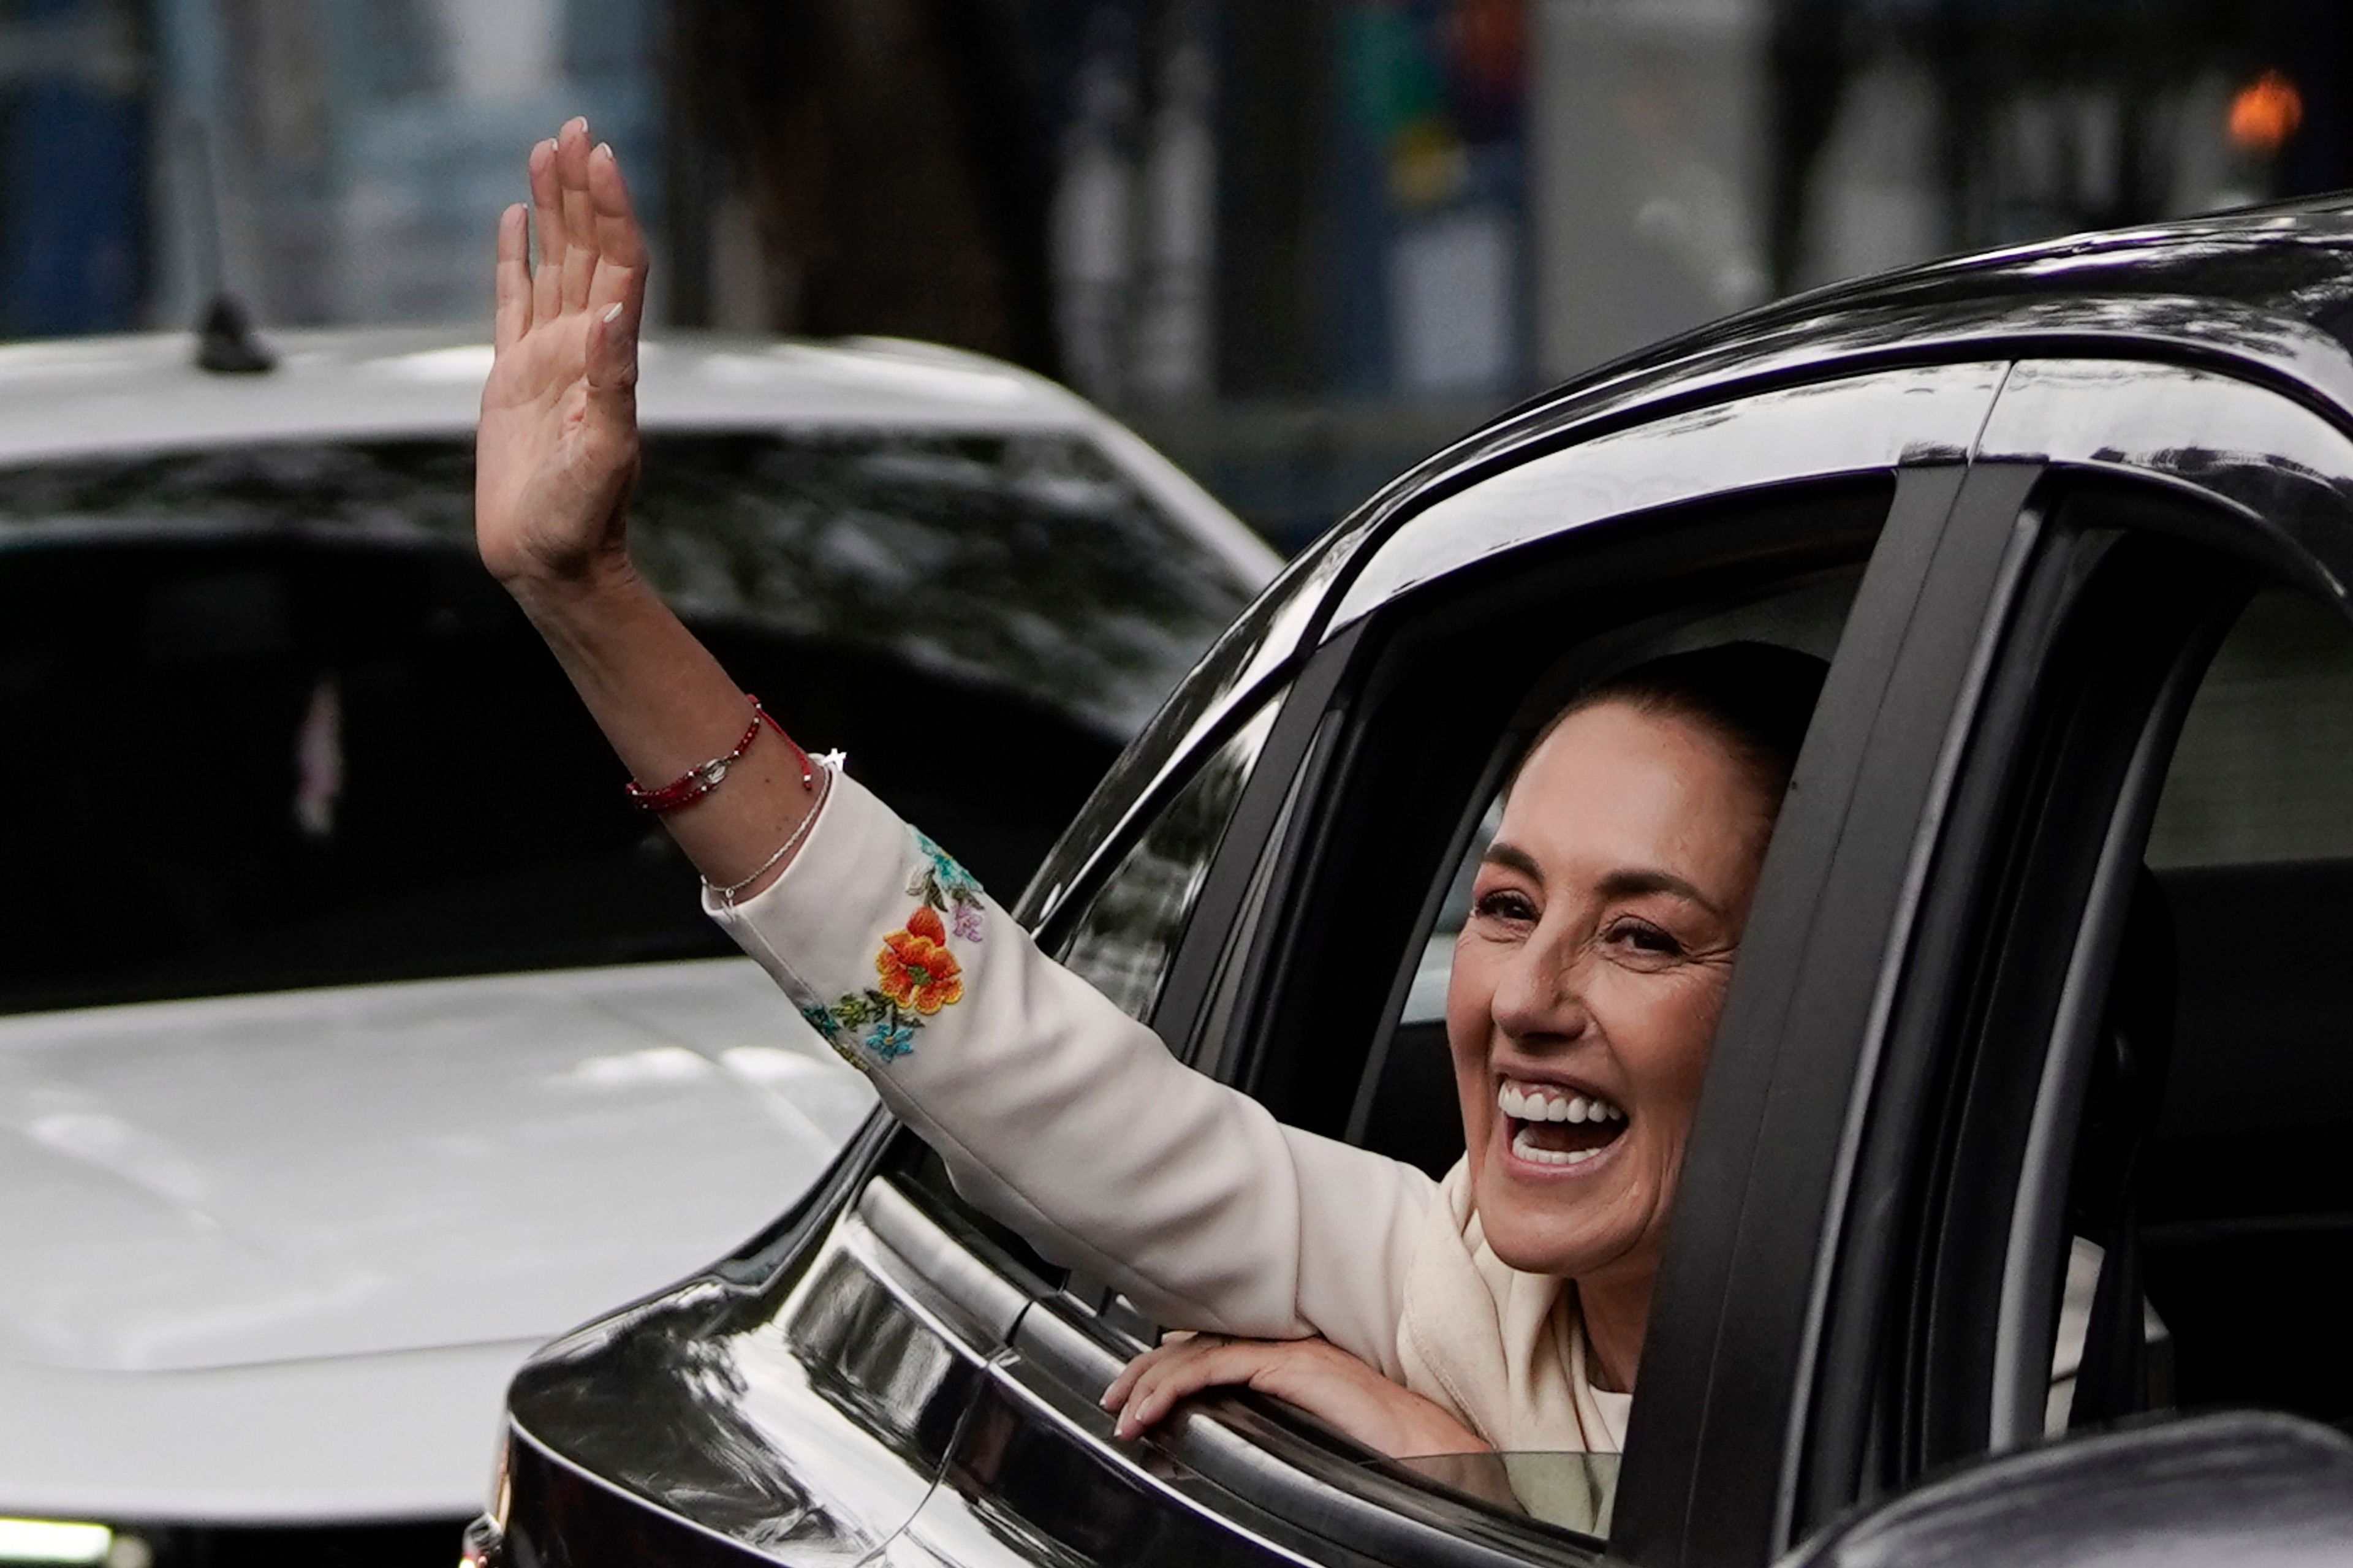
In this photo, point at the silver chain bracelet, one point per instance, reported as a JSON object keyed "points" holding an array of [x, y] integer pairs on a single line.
{"points": [[829, 764]]}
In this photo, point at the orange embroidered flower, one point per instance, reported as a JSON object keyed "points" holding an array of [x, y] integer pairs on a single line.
{"points": [[917, 970]]}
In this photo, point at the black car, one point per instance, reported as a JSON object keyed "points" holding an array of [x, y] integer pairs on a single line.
{"points": [[2054, 946]]}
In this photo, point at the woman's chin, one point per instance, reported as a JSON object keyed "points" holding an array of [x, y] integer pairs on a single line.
{"points": [[1547, 1225]]}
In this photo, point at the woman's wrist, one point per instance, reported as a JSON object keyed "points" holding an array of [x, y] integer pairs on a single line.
{"points": [[559, 589], [569, 607]]}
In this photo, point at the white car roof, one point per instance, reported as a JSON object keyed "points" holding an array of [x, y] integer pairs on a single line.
{"points": [[144, 393]]}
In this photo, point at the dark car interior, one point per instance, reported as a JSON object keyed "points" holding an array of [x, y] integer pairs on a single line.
{"points": [[2247, 1228], [2221, 1106]]}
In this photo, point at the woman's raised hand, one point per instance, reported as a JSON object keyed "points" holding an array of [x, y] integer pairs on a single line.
{"points": [[557, 449]]}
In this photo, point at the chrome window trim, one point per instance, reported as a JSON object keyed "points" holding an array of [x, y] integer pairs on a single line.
{"points": [[1856, 424], [2280, 467], [952, 1293], [1226, 1455], [1047, 1363]]}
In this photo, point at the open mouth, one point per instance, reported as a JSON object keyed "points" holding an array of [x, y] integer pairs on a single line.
{"points": [[1555, 1126]]}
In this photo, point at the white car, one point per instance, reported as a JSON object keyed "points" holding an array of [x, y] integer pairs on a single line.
{"points": [[359, 1037]]}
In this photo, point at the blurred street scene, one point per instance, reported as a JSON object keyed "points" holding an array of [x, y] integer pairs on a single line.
{"points": [[1298, 245]]}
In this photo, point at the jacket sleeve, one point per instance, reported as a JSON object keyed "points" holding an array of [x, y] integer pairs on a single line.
{"points": [[1064, 1118]]}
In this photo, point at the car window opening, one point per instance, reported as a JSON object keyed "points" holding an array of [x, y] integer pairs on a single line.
{"points": [[2211, 1151]]}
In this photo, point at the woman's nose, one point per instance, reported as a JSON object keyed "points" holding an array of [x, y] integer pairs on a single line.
{"points": [[1539, 995]]}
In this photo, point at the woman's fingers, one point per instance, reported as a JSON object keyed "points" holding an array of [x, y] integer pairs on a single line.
{"points": [[513, 318], [620, 247], [1133, 1372], [592, 254], [1177, 1370], [579, 213], [547, 227], [1311, 1373]]}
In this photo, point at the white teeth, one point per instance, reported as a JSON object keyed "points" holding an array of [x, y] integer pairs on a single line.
{"points": [[1540, 1105]]}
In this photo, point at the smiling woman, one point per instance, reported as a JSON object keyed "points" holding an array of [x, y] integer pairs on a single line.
{"points": [[1582, 1000], [1588, 980]]}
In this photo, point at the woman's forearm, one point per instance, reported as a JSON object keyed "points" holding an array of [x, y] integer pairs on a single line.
{"points": [[667, 706], [555, 458]]}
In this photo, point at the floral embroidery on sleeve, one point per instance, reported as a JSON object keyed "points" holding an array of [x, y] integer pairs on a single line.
{"points": [[944, 885], [916, 973]]}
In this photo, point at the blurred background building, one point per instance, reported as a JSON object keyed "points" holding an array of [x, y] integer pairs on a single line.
{"points": [[1299, 244]]}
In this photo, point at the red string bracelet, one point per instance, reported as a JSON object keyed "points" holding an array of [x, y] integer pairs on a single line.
{"points": [[703, 777]]}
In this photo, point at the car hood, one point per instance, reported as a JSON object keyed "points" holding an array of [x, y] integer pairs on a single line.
{"points": [[394, 1168]]}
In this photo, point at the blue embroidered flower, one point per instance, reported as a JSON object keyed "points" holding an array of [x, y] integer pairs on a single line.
{"points": [[953, 881], [891, 1037], [819, 1018]]}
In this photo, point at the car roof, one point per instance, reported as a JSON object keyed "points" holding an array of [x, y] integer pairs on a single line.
{"points": [[107, 393], [144, 393], [2265, 294]]}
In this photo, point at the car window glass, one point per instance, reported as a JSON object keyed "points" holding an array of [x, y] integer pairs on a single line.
{"points": [[277, 699], [2245, 1220], [1573, 1491], [1027, 560], [1127, 931]]}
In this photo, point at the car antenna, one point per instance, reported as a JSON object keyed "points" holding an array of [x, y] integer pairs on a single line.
{"points": [[226, 341]]}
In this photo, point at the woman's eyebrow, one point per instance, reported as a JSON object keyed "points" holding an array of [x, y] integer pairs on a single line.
{"points": [[1512, 858], [1633, 884]]}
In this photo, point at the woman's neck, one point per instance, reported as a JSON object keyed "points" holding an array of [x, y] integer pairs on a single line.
{"points": [[1616, 1308]]}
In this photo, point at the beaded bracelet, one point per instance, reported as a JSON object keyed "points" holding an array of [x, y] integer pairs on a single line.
{"points": [[703, 777]]}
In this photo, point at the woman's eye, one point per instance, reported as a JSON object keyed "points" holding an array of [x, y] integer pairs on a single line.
{"points": [[1504, 904], [1645, 938]]}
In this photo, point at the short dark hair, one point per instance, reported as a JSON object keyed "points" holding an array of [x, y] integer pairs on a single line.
{"points": [[1757, 695]]}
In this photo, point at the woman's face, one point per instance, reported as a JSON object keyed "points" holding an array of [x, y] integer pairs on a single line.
{"points": [[1589, 979]]}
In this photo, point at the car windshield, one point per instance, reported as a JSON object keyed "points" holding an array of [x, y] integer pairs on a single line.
{"points": [[272, 725]]}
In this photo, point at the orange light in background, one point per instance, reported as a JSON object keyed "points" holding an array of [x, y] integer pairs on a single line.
{"points": [[2264, 114]]}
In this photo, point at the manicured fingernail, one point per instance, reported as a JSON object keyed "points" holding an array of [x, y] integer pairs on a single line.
{"points": [[613, 311], [580, 121], [604, 150]]}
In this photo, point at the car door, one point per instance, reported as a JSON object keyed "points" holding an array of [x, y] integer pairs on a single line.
{"points": [[891, 1373], [1281, 951], [2071, 1173]]}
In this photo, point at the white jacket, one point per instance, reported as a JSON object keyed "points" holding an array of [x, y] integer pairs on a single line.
{"points": [[1069, 1121]]}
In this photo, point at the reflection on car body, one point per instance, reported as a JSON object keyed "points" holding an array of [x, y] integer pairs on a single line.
{"points": [[280, 742], [2075, 521]]}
